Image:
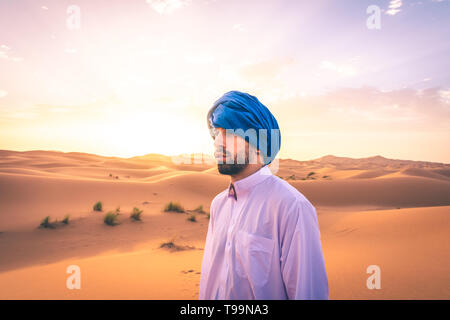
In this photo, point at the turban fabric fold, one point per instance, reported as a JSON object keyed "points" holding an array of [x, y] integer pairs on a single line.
{"points": [[238, 110]]}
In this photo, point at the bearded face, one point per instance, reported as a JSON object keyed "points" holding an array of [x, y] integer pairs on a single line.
{"points": [[232, 152]]}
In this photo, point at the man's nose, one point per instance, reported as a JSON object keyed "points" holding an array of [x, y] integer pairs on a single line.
{"points": [[220, 141]]}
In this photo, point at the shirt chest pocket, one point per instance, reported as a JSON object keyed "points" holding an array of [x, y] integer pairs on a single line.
{"points": [[253, 257]]}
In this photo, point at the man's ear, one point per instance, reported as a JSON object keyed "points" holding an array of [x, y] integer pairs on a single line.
{"points": [[259, 156]]}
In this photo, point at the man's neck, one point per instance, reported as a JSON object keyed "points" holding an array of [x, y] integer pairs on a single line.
{"points": [[249, 170]]}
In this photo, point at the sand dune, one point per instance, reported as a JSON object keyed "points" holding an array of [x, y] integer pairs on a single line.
{"points": [[424, 173], [382, 193], [393, 213], [369, 174], [408, 245]]}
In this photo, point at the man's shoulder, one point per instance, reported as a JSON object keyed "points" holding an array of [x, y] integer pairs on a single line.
{"points": [[219, 197], [291, 203], [285, 192]]}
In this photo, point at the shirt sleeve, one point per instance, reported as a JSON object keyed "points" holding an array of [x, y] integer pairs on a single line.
{"points": [[302, 262], [206, 258]]}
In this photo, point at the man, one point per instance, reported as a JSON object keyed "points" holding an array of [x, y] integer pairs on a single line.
{"points": [[263, 239]]}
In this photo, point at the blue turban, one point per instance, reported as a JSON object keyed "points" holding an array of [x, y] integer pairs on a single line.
{"points": [[238, 110]]}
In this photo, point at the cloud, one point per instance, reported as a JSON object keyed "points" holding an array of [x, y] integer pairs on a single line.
{"points": [[3, 93], [239, 27], [167, 6], [266, 69], [21, 115], [70, 50], [5, 54], [445, 96], [369, 109], [394, 7], [202, 58], [342, 69]]}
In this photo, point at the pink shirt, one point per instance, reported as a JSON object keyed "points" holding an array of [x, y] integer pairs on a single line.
{"points": [[263, 242]]}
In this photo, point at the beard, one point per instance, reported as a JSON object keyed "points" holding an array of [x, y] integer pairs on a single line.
{"points": [[230, 169], [233, 168]]}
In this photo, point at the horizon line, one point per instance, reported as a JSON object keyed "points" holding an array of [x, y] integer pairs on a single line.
{"points": [[194, 153]]}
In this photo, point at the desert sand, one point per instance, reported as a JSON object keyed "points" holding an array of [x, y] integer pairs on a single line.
{"points": [[372, 211]]}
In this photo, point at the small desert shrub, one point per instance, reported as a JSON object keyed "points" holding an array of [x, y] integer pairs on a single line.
{"points": [[174, 207], [45, 223], [192, 218], [199, 209], [208, 215], [171, 245], [98, 206], [136, 214], [66, 219], [111, 218], [310, 174]]}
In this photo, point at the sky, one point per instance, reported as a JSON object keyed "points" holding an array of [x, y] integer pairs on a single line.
{"points": [[127, 78]]}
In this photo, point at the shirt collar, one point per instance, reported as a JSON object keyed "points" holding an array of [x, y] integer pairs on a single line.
{"points": [[243, 186]]}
